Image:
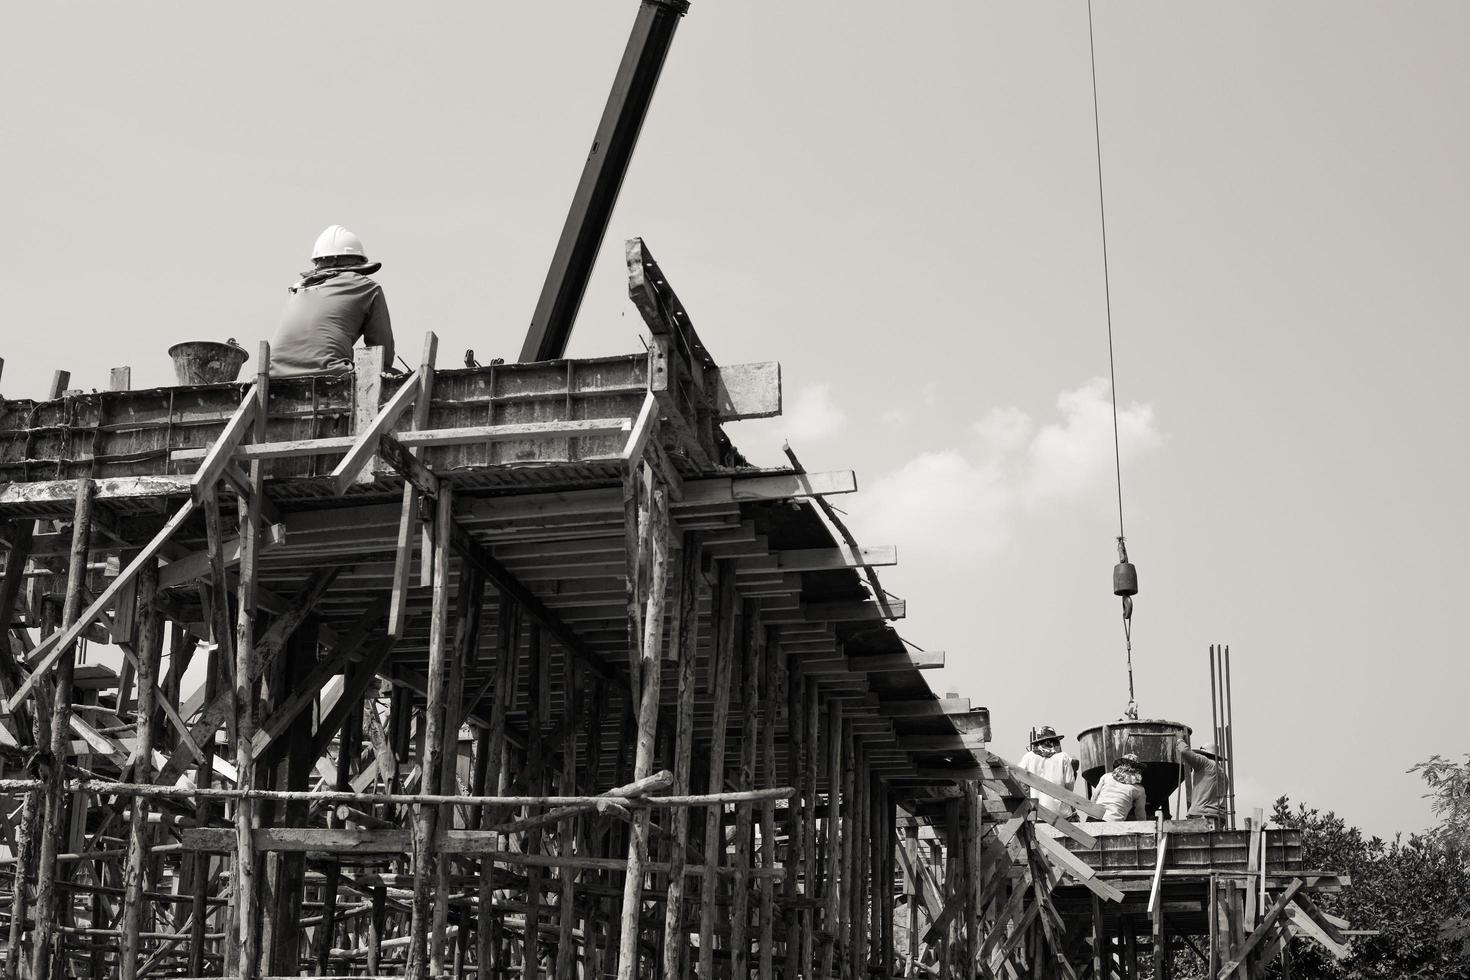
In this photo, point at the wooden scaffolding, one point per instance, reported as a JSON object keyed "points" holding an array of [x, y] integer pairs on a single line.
{"points": [[520, 671], [517, 670]]}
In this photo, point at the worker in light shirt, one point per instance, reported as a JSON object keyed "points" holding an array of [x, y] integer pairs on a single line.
{"points": [[1121, 791], [1046, 759]]}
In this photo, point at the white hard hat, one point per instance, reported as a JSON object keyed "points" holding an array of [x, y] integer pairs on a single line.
{"points": [[337, 240]]}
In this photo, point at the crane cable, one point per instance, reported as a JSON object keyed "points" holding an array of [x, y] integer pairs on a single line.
{"points": [[1112, 371]]}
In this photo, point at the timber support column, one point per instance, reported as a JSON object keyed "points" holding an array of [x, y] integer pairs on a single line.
{"points": [[426, 952], [685, 629], [722, 669], [54, 794], [644, 485], [150, 651]]}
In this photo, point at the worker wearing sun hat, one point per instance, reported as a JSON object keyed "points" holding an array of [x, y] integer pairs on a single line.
{"points": [[1207, 782], [1046, 759], [329, 308], [1121, 791]]}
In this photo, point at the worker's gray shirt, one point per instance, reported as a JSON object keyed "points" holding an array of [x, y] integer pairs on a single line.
{"points": [[326, 312], [1206, 785]]}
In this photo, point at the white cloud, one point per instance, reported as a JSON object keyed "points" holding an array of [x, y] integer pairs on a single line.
{"points": [[1070, 457], [971, 497], [812, 414]]}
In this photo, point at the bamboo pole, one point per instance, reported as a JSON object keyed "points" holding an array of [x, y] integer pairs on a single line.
{"points": [[246, 944], [426, 952], [751, 638], [722, 672], [811, 765], [770, 682], [40, 728], [569, 829], [54, 761], [832, 875], [684, 626], [488, 927], [628, 945], [795, 826], [150, 651], [538, 662]]}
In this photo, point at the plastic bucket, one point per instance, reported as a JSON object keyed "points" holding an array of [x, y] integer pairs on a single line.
{"points": [[207, 362]]}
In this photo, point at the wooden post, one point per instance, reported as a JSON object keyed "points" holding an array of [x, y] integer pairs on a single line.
{"points": [[246, 945], [468, 605], [425, 952], [684, 626], [649, 655], [214, 676], [852, 805], [347, 752], [811, 753], [54, 761], [722, 671], [21, 534], [538, 662], [507, 652], [752, 636], [832, 875], [796, 842], [770, 683], [150, 652], [571, 843]]}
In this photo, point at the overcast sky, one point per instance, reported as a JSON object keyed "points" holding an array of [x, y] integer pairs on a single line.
{"points": [[898, 202]]}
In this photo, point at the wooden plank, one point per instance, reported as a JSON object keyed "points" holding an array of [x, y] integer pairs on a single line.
{"points": [[1077, 868], [367, 396], [826, 559], [1304, 925], [643, 427], [1162, 836], [418, 439], [408, 518], [1050, 788], [923, 707], [1061, 823], [747, 391]]}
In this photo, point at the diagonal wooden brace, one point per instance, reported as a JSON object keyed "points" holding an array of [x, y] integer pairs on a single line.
{"points": [[366, 444]]}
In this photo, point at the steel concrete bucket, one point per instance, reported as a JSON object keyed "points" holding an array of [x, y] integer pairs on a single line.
{"points": [[207, 362], [1154, 741]]}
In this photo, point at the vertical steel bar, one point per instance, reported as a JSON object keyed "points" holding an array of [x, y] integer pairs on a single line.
{"points": [[1229, 745]]}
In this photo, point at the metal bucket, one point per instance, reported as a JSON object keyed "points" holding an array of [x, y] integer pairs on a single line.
{"points": [[207, 362], [1155, 742]]}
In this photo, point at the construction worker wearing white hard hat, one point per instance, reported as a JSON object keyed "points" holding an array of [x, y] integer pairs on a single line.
{"points": [[329, 308]]}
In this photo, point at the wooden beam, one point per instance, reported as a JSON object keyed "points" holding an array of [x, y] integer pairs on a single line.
{"points": [[885, 663]]}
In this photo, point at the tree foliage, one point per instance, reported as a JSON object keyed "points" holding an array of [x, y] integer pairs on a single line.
{"points": [[1414, 891]]}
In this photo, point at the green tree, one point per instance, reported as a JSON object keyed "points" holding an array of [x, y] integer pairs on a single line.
{"points": [[1413, 891]]}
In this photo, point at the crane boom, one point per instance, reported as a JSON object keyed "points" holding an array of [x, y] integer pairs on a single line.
{"points": [[602, 177]]}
